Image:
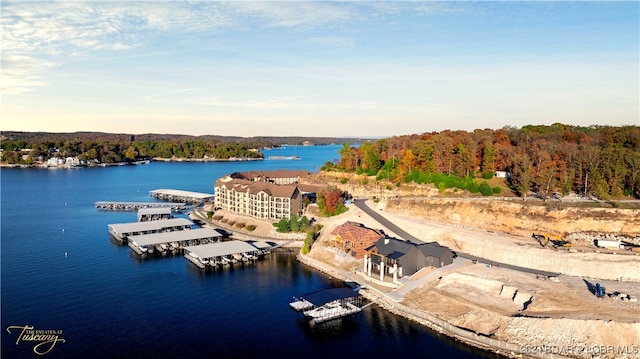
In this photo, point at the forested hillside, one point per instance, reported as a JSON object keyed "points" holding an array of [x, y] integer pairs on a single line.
{"points": [[29, 147], [603, 161]]}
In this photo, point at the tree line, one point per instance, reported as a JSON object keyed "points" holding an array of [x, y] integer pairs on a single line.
{"points": [[114, 151], [603, 161], [30, 147]]}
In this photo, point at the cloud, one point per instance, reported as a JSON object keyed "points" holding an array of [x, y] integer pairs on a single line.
{"points": [[46, 34], [21, 73]]}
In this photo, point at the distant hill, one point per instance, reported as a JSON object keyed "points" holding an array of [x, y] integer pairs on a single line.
{"points": [[260, 141]]}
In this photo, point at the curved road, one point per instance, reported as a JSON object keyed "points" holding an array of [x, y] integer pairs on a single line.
{"points": [[360, 203]]}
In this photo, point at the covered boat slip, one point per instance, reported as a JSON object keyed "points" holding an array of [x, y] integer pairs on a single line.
{"points": [[121, 231], [173, 240], [153, 214], [180, 195], [329, 304], [222, 253], [134, 206]]}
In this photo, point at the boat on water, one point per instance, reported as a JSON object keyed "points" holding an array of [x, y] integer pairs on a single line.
{"points": [[328, 309]]}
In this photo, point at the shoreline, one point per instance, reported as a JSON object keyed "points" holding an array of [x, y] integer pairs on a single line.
{"points": [[425, 319], [392, 305], [523, 334], [133, 163]]}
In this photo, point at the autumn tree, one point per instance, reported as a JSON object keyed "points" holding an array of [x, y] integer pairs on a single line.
{"points": [[331, 202]]}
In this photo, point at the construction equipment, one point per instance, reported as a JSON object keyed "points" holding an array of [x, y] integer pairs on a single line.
{"points": [[556, 241]]}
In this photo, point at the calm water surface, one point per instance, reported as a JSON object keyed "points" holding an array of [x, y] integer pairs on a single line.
{"points": [[61, 271]]}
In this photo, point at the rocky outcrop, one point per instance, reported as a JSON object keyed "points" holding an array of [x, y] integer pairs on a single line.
{"points": [[518, 218]]}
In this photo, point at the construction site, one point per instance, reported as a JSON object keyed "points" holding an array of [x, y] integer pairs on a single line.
{"points": [[588, 309]]}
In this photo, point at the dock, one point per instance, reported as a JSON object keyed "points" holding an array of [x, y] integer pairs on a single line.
{"points": [[153, 214], [122, 231], [174, 240], [329, 304], [221, 253], [135, 206], [181, 196]]}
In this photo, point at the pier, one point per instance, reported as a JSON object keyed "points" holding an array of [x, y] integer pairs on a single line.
{"points": [[135, 206], [222, 253], [153, 214], [163, 241], [329, 304], [121, 231], [181, 196]]}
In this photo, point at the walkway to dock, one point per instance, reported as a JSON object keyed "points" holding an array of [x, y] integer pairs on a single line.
{"points": [[180, 195]]}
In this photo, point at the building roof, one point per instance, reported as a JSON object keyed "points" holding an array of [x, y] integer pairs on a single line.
{"points": [[433, 249], [329, 295], [254, 175], [122, 228], [310, 188], [386, 246], [273, 190], [167, 237], [221, 249], [395, 248], [352, 231]]}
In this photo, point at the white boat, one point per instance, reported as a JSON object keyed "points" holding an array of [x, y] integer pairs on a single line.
{"points": [[238, 257], [248, 256], [328, 309]]}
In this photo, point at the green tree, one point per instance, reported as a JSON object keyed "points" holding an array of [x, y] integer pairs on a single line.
{"points": [[130, 154], [282, 226], [293, 223]]}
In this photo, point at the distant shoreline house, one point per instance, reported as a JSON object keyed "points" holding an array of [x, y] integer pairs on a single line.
{"points": [[391, 256], [269, 195]]}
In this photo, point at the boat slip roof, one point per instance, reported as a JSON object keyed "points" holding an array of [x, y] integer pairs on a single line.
{"points": [[174, 236], [329, 295], [260, 245], [221, 249], [122, 228], [181, 193], [156, 210]]}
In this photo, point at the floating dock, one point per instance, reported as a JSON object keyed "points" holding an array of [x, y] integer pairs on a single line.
{"points": [[221, 253], [135, 206], [153, 214], [121, 231], [329, 304], [163, 241], [180, 195]]}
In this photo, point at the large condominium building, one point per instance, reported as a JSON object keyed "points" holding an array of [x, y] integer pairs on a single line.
{"points": [[261, 194]]}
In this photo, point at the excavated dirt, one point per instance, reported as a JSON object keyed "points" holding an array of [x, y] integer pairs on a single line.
{"points": [[541, 316]]}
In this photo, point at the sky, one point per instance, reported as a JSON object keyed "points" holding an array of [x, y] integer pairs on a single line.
{"points": [[299, 68]]}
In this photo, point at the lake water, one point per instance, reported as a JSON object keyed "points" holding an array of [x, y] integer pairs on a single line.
{"points": [[62, 272]]}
